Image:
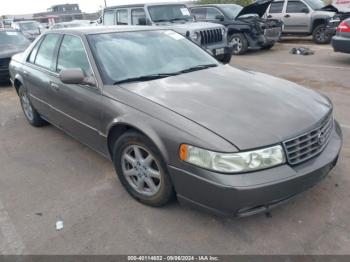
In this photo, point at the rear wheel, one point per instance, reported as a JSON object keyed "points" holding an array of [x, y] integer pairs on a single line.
{"points": [[320, 35], [239, 43], [29, 111], [142, 170]]}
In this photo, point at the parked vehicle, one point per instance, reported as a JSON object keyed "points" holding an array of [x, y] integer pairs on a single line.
{"points": [[303, 17], [11, 43], [176, 121], [333, 23], [74, 23], [30, 29], [247, 29], [341, 41], [212, 37]]}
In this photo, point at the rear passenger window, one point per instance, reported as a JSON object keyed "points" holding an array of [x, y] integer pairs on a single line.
{"points": [[122, 17], [276, 7], [296, 7], [34, 52], [45, 57], [109, 17], [72, 55], [136, 15]]}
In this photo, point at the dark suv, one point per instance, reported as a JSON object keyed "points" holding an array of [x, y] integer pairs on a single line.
{"points": [[247, 29]]}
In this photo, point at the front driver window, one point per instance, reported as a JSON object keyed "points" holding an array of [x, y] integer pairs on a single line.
{"points": [[72, 55], [296, 7]]}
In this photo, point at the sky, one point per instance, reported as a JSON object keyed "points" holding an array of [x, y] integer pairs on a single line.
{"points": [[15, 7]]}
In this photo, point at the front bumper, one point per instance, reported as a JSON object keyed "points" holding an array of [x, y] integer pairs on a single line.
{"points": [[255, 192], [341, 44]]}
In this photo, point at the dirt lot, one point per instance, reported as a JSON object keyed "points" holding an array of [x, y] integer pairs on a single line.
{"points": [[47, 176]]}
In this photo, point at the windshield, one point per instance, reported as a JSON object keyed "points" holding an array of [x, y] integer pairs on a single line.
{"points": [[13, 38], [231, 10], [127, 55], [30, 26], [166, 13], [315, 4]]}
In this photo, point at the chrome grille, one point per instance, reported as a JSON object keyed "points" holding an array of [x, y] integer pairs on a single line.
{"points": [[210, 36], [4, 63], [309, 144]]}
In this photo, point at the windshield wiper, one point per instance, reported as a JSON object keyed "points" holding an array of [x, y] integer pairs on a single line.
{"points": [[160, 20], [197, 68], [178, 19], [144, 78]]}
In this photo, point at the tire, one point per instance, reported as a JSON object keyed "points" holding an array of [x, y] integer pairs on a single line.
{"points": [[226, 58], [29, 111], [137, 175], [241, 44], [320, 36], [267, 47]]}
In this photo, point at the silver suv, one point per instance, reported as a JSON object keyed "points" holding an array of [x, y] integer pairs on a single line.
{"points": [[212, 37], [302, 17]]}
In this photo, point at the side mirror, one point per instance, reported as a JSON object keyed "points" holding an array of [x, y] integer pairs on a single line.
{"points": [[305, 10], [219, 17], [76, 76], [142, 21], [99, 21]]}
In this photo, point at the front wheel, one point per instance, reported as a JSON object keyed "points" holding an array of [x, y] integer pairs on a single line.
{"points": [[239, 43], [320, 36], [142, 170], [29, 111]]}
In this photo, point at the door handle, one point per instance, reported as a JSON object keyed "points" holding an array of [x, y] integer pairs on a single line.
{"points": [[287, 16], [55, 86], [269, 16]]}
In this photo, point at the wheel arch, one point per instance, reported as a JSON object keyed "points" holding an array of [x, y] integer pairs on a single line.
{"points": [[117, 129], [317, 22], [18, 82]]}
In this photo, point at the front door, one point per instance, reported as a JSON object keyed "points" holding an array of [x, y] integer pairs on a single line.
{"points": [[78, 105], [297, 17]]}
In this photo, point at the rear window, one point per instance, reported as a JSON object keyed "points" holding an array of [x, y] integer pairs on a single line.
{"points": [[12, 38]]}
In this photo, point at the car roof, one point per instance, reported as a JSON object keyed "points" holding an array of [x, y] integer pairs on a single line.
{"points": [[93, 30], [143, 5]]}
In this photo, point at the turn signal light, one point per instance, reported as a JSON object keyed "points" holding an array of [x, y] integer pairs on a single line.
{"points": [[183, 152], [343, 27]]}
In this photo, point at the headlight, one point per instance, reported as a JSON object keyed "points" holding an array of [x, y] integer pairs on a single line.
{"points": [[194, 36], [233, 162]]}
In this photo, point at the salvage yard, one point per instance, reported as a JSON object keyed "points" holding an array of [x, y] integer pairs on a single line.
{"points": [[47, 176]]}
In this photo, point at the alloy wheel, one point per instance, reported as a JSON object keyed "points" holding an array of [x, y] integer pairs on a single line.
{"points": [[321, 34], [27, 107], [238, 44], [141, 170]]}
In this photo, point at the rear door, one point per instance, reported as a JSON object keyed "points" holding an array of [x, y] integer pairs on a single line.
{"points": [[39, 71], [297, 17], [79, 106]]}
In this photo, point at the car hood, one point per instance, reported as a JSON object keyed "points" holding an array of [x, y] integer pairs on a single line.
{"points": [[258, 8], [7, 51], [330, 8], [248, 109]]}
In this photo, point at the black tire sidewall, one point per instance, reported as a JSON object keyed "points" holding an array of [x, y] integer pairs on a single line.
{"points": [[166, 192]]}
